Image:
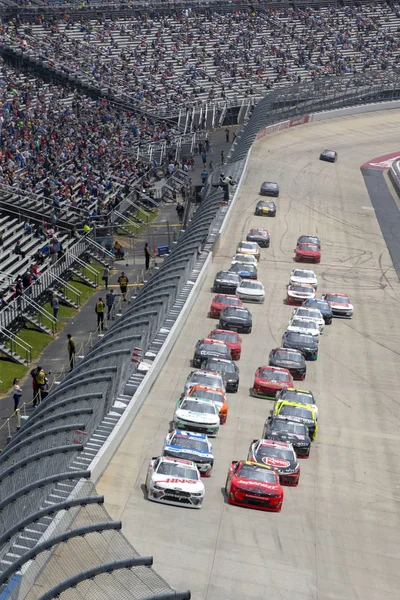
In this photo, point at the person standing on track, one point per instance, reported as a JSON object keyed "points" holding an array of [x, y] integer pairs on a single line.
{"points": [[100, 314], [71, 351], [110, 299], [123, 285], [147, 256]]}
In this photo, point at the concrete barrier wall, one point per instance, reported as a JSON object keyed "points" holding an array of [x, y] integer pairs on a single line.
{"points": [[394, 175]]}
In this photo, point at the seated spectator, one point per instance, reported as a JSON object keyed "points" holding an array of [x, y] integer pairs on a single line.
{"points": [[18, 249], [118, 251]]}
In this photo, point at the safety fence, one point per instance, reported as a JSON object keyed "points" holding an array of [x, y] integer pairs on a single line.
{"points": [[46, 462]]}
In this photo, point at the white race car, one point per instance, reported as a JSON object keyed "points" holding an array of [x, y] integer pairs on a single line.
{"points": [[196, 414], [174, 481], [297, 293], [244, 259], [304, 276], [251, 248], [201, 377], [310, 313], [309, 326], [251, 290]]}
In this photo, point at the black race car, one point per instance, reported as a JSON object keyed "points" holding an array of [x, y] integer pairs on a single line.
{"points": [[261, 236], [228, 370], [289, 359], [265, 208], [278, 455], [209, 348], [328, 156], [292, 432], [323, 306], [244, 270], [309, 239], [303, 342], [236, 318], [269, 188], [226, 282]]}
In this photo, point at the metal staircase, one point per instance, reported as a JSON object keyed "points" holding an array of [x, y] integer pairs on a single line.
{"points": [[81, 274], [15, 348]]}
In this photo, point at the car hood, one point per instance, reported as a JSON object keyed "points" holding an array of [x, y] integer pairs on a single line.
{"points": [[249, 292], [235, 319], [257, 486], [212, 353], [297, 294], [272, 382], [291, 364], [295, 279], [196, 417], [345, 306], [300, 345], [185, 485], [298, 329], [284, 436]]}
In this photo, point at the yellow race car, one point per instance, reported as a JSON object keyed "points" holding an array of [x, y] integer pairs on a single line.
{"points": [[295, 411]]}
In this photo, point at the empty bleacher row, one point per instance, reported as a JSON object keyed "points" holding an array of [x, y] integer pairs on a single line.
{"points": [[164, 63]]}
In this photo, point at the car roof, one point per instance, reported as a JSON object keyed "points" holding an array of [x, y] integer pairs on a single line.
{"points": [[226, 296], [259, 229], [190, 434], [251, 281], [270, 368], [297, 390], [303, 271], [215, 342], [171, 459], [275, 444], [199, 400], [296, 404], [224, 331], [303, 319], [309, 285], [307, 244], [221, 360], [206, 388], [286, 350], [335, 294], [205, 372], [256, 464]]}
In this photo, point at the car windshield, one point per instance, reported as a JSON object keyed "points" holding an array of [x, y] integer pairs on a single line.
{"points": [[236, 312], [238, 268], [306, 324], [177, 470], [225, 337], [310, 247], [208, 395], [244, 258], [289, 427], [303, 274], [251, 285], [322, 305], [228, 276], [296, 396], [258, 232], [222, 367], [293, 356], [263, 450], [295, 411], [247, 246], [204, 379], [301, 289], [218, 348], [308, 313], [190, 443], [299, 338], [198, 407], [257, 473], [225, 300], [274, 375], [338, 299]]}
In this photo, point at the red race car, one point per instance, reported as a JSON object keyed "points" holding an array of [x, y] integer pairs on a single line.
{"points": [[278, 455], [231, 339], [221, 301], [297, 293], [340, 304], [270, 380], [308, 253], [254, 485]]}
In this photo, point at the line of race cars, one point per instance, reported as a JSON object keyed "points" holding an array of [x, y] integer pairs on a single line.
{"points": [[273, 460]]}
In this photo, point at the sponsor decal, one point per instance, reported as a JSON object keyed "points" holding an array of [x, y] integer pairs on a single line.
{"points": [[275, 462], [299, 120], [176, 480]]}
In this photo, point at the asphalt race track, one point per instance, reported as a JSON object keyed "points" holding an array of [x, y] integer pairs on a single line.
{"points": [[337, 537]]}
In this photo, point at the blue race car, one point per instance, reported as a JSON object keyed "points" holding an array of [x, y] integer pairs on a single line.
{"points": [[190, 446], [323, 306]]}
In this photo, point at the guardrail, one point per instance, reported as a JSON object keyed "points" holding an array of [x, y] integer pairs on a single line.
{"points": [[394, 174]]}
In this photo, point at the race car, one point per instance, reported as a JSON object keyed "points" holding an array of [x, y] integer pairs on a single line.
{"points": [[202, 377], [289, 359], [236, 319], [221, 301], [307, 344], [300, 397], [254, 485], [297, 293], [248, 247], [322, 306], [307, 326], [265, 208], [302, 413], [261, 236], [174, 481], [309, 239], [310, 313], [328, 156], [304, 276], [307, 252], [244, 259], [190, 446], [231, 338], [269, 188], [245, 271], [340, 304], [206, 348], [192, 414], [285, 430], [228, 370], [251, 291], [226, 282], [278, 455], [202, 392], [269, 380]]}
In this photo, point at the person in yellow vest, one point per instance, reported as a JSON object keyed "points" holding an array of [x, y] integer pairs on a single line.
{"points": [[40, 383], [123, 284], [100, 306]]}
